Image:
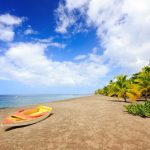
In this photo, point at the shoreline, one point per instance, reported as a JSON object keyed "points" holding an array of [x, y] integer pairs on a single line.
{"points": [[59, 100], [91, 122]]}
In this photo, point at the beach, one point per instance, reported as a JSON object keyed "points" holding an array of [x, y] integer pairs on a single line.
{"points": [[85, 123]]}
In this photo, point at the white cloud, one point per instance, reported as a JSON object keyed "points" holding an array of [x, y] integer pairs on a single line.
{"points": [[26, 62], [71, 4], [63, 20], [6, 33], [91, 57], [44, 41], [121, 26], [8, 19], [7, 24], [95, 50], [80, 57], [50, 42], [30, 31], [58, 45]]}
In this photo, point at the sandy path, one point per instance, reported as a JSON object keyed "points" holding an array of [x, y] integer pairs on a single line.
{"points": [[87, 123]]}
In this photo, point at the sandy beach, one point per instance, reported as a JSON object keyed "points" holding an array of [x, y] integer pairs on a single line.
{"points": [[86, 123]]}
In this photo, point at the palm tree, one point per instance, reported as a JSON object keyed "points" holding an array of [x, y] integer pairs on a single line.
{"points": [[143, 81], [146, 69], [134, 78], [99, 91], [122, 87], [105, 90]]}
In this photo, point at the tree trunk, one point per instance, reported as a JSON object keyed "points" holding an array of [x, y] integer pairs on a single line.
{"points": [[146, 95], [125, 98]]}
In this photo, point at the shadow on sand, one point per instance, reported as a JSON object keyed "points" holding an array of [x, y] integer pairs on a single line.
{"points": [[120, 101], [11, 128]]}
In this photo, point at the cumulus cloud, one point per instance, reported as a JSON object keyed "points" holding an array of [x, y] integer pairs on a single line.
{"points": [[6, 33], [121, 26], [27, 62], [8, 19], [7, 24]]}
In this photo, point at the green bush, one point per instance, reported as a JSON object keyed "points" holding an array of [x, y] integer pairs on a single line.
{"points": [[142, 110]]}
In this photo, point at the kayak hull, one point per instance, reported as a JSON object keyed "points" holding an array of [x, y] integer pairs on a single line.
{"points": [[25, 122]]}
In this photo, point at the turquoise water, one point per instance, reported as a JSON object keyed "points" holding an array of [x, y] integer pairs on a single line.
{"points": [[25, 100]]}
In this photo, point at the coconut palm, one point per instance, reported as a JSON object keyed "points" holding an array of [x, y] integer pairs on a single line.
{"points": [[122, 87], [99, 91], [134, 78], [104, 91], [133, 88], [143, 81], [146, 70]]}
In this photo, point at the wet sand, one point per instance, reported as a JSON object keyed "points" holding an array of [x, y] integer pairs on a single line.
{"points": [[87, 123]]}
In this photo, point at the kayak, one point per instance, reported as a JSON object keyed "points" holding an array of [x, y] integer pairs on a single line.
{"points": [[25, 117]]}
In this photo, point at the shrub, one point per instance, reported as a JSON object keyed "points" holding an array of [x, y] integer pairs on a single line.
{"points": [[142, 110]]}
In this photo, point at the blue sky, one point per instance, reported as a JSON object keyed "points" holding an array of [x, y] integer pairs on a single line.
{"points": [[41, 16], [66, 47]]}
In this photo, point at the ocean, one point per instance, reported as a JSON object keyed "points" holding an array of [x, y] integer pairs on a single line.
{"points": [[25, 100]]}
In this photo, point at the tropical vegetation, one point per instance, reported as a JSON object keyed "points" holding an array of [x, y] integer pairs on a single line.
{"points": [[134, 87], [142, 110]]}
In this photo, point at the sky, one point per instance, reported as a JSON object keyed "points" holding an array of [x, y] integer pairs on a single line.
{"points": [[68, 47]]}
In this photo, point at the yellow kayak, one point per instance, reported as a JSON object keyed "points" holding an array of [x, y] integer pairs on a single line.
{"points": [[26, 116]]}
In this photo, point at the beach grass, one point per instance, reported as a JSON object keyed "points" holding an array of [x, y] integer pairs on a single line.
{"points": [[142, 110]]}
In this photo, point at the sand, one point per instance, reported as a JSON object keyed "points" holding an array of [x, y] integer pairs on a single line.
{"points": [[87, 123]]}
